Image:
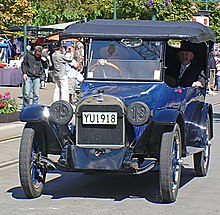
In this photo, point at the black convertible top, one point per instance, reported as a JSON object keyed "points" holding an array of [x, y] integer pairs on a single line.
{"points": [[145, 29]]}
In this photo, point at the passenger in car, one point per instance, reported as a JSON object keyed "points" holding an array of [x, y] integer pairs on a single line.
{"points": [[188, 73]]}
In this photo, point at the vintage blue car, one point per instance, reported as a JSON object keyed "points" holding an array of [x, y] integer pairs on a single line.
{"points": [[132, 114]]}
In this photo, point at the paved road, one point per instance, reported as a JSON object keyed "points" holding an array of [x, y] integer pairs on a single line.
{"points": [[79, 193]]}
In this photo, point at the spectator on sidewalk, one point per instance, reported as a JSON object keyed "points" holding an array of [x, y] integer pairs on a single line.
{"points": [[60, 61], [32, 68], [44, 77], [218, 75]]}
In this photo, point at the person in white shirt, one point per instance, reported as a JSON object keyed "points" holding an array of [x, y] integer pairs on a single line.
{"points": [[72, 73]]}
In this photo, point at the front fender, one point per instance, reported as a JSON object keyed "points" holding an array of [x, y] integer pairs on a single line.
{"points": [[33, 113], [210, 111], [197, 126], [166, 116], [163, 120]]}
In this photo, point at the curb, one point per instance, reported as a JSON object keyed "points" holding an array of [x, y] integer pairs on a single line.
{"points": [[12, 125], [9, 117]]}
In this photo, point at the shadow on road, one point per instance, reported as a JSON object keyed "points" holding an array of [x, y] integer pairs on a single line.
{"points": [[105, 186]]}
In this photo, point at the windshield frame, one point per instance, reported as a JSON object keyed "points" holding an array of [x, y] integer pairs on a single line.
{"points": [[89, 43]]}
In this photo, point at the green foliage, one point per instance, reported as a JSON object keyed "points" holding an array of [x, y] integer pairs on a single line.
{"points": [[176, 10], [46, 12], [55, 11], [14, 12]]}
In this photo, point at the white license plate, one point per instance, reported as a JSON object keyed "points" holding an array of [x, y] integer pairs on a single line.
{"points": [[99, 118]]}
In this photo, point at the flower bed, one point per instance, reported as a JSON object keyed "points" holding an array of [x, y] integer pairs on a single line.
{"points": [[7, 104], [8, 108]]}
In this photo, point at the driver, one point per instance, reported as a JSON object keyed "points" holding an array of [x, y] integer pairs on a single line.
{"points": [[111, 53], [111, 65]]}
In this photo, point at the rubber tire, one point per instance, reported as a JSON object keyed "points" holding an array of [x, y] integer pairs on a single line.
{"points": [[168, 193], [201, 165], [25, 154]]}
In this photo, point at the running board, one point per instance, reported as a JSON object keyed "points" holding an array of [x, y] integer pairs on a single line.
{"points": [[190, 150]]}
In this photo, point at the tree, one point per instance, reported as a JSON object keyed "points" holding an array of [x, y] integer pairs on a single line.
{"points": [[55, 11], [214, 16], [168, 9], [14, 12], [59, 11]]}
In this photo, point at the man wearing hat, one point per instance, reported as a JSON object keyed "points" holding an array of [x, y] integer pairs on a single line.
{"points": [[32, 68], [189, 74]]}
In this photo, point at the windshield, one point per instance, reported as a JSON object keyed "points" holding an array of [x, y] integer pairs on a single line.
{"points": [[126, 59]]}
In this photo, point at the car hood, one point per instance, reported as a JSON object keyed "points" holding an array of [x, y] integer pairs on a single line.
{"points": [[153, 94]]}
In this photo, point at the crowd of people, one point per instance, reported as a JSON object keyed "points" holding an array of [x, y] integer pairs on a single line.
{"points": [[41, 65]]}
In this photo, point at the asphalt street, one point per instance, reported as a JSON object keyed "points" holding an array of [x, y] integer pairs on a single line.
{"points": [[79, 193]]}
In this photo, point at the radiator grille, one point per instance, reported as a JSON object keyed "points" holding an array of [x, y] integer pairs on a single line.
{"points": [[100, 135]]}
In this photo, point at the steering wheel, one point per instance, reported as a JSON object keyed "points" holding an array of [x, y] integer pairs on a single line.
{"points": [[116, 68]]}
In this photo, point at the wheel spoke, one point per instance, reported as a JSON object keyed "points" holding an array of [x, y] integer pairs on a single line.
{"points": [[176, 162], [32, 173], [36, 170], [170, 164]]}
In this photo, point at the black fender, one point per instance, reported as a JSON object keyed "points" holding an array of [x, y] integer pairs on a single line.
{"points": [[210, 112], [163, 120], [51, 140], [167, 116], [37, 116], [196, 127], [207, 111], [35, 113]]}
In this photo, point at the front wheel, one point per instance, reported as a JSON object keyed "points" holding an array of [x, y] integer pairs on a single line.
{"points": [[32, 173], [201, 159], [170, 164]]}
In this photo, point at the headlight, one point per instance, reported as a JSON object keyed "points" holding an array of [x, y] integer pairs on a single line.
{"points": [[138, 113], [61, 112]]}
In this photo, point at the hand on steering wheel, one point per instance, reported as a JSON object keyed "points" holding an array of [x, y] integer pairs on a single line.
{"points": [[104, 62]]}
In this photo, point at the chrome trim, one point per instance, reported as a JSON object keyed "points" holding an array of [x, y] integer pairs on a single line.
{"points": [[148, 168], [99, 146], [147, 165], [119, 81], [91, 100], [193, 150], [107, 100], [45, 160]]}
